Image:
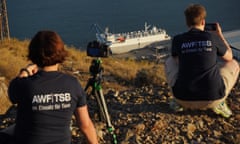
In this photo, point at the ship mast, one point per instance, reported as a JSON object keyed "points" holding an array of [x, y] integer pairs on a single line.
{"points": [[99, 32], [146, 26], [4, 28]]}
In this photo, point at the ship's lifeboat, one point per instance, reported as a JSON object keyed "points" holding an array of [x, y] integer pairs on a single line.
{"points": [[121, 39]]}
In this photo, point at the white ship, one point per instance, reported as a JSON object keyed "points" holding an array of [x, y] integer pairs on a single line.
{"points": [[125, 42]]}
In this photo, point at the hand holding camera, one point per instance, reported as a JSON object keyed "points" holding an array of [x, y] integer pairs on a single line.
{"points": [[213, 27], [210, 27]]}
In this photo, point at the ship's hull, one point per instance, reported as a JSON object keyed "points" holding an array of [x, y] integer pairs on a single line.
{"points": [[128, 41], [136, 43]]}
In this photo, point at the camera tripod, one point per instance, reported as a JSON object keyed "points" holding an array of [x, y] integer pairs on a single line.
{"points": [[96, 71]]}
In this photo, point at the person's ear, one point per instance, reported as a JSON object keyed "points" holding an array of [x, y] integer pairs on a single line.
{"points": [[203, 22]]}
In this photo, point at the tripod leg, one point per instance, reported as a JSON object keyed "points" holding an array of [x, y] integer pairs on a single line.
{"points": [[105, 109], [109, 124], [101, 109]]}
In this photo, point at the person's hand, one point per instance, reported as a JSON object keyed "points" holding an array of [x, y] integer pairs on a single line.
{"points": [[30, 70]]}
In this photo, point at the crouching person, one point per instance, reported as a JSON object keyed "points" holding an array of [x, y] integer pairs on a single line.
{"points": [[201, 70]]}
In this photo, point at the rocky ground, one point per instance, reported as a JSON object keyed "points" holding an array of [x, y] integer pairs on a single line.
{"points": [[142, 115]]}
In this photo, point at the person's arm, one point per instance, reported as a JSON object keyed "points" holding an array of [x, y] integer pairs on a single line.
{"points": [[85, 124], [16, 84], [228, 56]]}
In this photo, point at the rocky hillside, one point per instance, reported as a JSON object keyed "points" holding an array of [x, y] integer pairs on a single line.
{"points": [[142, 115], [139, 111]]}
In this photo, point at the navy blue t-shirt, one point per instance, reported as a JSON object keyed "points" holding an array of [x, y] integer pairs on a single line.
{"points": [[199, 77], [46, 102]]}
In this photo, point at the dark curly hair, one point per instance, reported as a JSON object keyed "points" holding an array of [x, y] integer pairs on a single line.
{"points": [[46, 49]]}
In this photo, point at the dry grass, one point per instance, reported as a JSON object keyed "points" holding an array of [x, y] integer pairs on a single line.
{"points": [[127, 69], [4, 101], [14, 56]]}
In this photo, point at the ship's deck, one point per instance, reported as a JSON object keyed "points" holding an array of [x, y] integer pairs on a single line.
{"points": [[233, 38]]}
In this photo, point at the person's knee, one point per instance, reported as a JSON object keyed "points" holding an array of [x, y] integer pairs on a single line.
{"points": [[233, 66], [236, 64], [170, 63], [169, 60]]}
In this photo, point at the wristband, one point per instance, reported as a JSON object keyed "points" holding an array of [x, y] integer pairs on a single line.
{"points": [[25, 70]]}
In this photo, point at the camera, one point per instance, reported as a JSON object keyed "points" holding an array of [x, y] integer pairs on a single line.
{"points": [[210, 27], [97, 49]]}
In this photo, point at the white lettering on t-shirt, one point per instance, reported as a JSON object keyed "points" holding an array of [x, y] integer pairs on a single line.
{"points": [[196, 46], [52, 98], [53, 101]]}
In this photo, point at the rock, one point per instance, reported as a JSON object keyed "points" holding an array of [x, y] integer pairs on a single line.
{"points": [[237, 117], [139, 128]]}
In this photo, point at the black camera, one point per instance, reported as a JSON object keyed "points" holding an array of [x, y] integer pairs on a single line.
{"points": [[97, 49], [210, 27]]}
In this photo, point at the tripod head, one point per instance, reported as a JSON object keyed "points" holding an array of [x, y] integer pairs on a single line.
{"points": [[96, 71], [96, 68]]}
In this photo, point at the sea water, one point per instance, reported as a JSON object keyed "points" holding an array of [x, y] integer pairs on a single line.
{"points": [[74, 19]]}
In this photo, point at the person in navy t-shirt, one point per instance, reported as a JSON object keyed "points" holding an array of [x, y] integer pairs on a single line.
{"points": [[47, 98], [201, 70]]}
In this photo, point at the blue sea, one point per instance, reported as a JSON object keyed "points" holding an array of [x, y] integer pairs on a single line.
{"points": [[74, 19]]}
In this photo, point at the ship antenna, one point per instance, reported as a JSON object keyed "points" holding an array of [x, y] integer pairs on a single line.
{"points": [[147, 26], [106, 30]]}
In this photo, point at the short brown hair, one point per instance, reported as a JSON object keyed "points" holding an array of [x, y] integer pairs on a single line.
{"points": [[46, 49], [194, 14]]}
